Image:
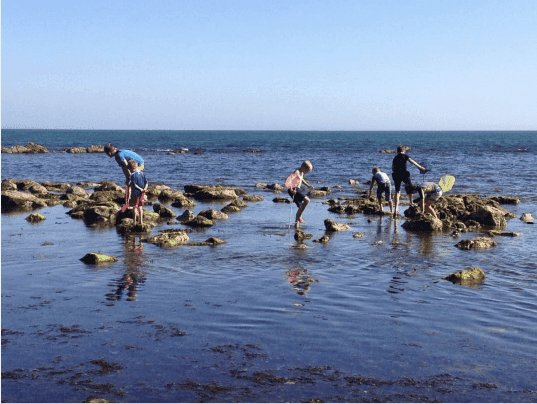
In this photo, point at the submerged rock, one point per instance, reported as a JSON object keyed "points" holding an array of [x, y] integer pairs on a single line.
{"points": [[325, 239], [236, 206], [252, 198], [301, 235], [282, 200], [494, 233], [98, 259], [35, 218], [479, 243], [527, 218], [467, 277]]}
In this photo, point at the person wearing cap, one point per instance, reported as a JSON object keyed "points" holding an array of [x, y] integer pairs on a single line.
{"points": [[401, 174], [122, 158], [301, 199]]}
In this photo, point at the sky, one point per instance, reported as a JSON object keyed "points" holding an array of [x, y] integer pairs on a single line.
{"points": [[269, 64]]}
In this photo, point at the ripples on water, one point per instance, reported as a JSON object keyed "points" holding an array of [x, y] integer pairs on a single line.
{"points": [[374, 308]]}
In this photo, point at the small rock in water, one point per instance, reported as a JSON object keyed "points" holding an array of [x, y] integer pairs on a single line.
{"points": [[98, 259], [467, 277]]}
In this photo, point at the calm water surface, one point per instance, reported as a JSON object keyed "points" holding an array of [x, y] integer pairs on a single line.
{"points": [[258, 319]]}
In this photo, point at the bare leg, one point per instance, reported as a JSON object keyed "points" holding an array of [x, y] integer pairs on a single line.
{"points": [[397, 194], [300, 211], [380, 203], [391, 207]]}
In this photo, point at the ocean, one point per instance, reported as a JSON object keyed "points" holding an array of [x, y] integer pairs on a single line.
{"points": [[259, 319]]}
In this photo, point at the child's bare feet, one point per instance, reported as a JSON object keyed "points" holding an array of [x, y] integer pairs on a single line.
{"points": [[301, 220]]}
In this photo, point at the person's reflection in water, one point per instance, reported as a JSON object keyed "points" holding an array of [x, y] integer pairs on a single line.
{"points": [[131, 280], [301, 281]]}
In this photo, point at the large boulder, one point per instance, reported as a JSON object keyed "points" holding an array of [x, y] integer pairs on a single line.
{"points": [[489, 216], [479, 243], [20, 201], [423, 222]]}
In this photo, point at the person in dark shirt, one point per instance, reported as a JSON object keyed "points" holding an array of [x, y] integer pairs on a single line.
{"points": [[401, 174]]}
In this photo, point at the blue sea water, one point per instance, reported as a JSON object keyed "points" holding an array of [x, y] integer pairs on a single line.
{"points": [[258, 319]]}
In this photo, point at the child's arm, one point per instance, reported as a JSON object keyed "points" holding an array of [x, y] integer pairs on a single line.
{"points": [[306, 183]]}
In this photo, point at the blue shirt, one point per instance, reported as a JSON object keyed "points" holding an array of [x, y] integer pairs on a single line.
{"points": [[137, 178], [126, 155]]}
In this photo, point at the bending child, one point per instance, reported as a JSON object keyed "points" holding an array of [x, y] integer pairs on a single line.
{"points": [[384, 186], [138, 185], [301, 199], [429, 192]]}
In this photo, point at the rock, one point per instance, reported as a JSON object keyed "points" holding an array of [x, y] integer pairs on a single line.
{"points": [[494, 233], [282, 200], [95, 148], [153, 191], [300, 235], [35, 218], [331, 225], [127, 226], [489, 216], [199, 221], [479, 243], [183, 202], [38, 189], [236, 206], [98, 259], [20, 201], [29, 148], [467, 276], [163, 211], [506, 200], [261, 185], [215, 195], [325, 239], [387, 151], [252, 198], [166, 195], [108, 196], [275, 187], [78, 192], [213, 214], [186, 216], [528, 218], [169, 238], [100, 215], [353, 182], [358, 235], [75, 150], [319, 193], [423, 223], [56, 186], [212, 241], [9, 185]]}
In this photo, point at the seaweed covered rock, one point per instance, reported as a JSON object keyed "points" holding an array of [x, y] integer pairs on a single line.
{"points": [[199, 221], [489, 216], [186, 216], [467, 276], [331, 225], [169, 238], [127, 226], [98, 259], [163, 211], [252, 198], [35, 218], [478, 243]]}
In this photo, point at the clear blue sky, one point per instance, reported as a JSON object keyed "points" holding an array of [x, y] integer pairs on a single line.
{"points": [[270, 64]]}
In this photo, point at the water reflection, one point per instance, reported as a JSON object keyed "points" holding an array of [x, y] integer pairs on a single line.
{"points": [[129, 283], [300, 279]]}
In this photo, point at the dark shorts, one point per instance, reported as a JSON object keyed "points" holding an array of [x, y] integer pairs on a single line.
{"points": [[401, 177], [298, 197], [384, 189]]}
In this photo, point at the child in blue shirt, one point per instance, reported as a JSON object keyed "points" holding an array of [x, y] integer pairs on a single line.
{"points": [[138, 185]]}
